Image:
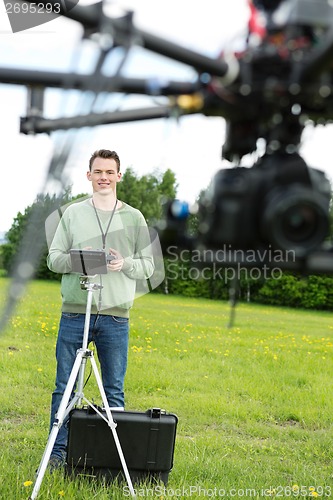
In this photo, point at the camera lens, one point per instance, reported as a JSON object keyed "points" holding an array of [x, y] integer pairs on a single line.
{"points": [[296, 220], [299, 223]]}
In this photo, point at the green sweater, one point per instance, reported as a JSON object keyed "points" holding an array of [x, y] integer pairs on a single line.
{"points": [[128, 234]]}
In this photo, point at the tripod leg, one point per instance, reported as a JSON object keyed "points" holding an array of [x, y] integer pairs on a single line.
{"points": [[112, 425], [63, 411]]}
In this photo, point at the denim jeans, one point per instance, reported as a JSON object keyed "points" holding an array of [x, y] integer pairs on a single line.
{"points": [[110, 335]]}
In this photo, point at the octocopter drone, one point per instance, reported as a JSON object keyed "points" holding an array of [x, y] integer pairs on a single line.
{"points": [[267, 93]]}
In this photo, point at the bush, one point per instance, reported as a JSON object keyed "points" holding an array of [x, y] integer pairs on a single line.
{"points": [[312, 292]]}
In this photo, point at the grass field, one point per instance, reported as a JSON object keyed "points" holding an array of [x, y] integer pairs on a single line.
{"points": [[254, 402]]}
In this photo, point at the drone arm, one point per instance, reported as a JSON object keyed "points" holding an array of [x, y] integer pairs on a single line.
{"points": [[88, 82], [35, 124]]}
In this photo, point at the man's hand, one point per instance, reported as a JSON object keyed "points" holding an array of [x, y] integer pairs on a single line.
{"points": [[117, 263]]}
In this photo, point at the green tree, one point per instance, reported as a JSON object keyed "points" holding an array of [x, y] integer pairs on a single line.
{"points": [[28, 231], [168, 186], [147, 192]]}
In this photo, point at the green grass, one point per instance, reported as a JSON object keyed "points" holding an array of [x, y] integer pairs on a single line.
{"points": [[254, 402]]}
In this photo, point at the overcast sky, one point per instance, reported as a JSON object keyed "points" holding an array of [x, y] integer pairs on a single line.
{"points": [[190, 146]]}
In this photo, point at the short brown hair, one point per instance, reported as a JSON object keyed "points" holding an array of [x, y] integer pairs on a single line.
{"points": [[106, 154]]}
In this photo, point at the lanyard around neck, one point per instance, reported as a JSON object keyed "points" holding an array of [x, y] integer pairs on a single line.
{"points": [[100, 224]]}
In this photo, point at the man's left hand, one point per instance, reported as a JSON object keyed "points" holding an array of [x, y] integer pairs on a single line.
{"points": [[117, 263]]}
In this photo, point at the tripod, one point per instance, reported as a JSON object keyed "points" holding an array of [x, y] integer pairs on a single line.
{"points": [[66, 404]]}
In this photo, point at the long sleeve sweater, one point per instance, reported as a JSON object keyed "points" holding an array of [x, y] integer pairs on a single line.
{"points": [[128, 234]]}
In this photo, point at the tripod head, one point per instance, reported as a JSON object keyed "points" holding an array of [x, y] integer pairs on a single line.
{"points": [[87, 284]]}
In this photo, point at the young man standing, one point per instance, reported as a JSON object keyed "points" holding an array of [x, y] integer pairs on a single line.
{"points": [[99, 222]]}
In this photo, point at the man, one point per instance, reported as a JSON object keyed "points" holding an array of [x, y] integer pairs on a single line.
{"points": [[99, 222]]}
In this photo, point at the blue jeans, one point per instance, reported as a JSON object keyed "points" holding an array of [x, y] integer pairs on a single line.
{"points": [[110, 335]]}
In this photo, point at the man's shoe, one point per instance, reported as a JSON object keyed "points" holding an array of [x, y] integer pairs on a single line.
{"points": [[55, 463]]}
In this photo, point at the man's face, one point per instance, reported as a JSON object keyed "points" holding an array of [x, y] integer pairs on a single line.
{"points": [[104, 175]]}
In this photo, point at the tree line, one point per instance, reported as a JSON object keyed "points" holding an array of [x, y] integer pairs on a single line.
{"points": [[182, 277]]}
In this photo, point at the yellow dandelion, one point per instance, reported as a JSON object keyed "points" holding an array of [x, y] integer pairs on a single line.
{"points": [[27, 483], [61, 493]]}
